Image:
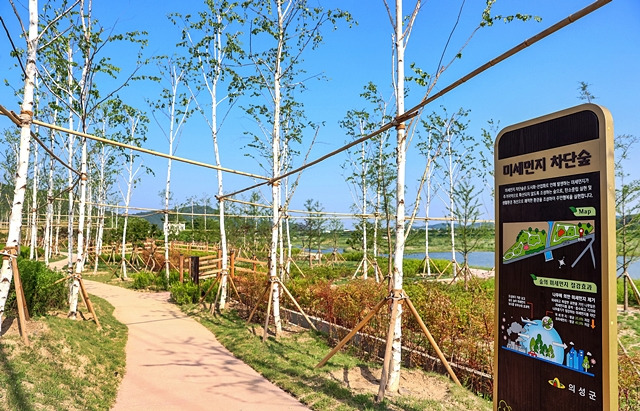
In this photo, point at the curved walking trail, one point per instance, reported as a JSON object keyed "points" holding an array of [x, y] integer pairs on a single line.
{"points": [[175, 363]]}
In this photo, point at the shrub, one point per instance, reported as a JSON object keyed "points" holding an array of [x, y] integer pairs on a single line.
{"points": [[142, 280], [189, 292], [620, 292], [40, 293], [353, 256], [186, 293]]}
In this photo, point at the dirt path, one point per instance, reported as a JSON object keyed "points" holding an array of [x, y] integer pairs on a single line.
{"points": [[174, 363]]}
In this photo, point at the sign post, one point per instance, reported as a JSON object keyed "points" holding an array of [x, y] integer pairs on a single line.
{"points": [[555, 335]]}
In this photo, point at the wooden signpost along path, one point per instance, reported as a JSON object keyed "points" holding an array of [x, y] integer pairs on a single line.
{"points": [[555, 330]]}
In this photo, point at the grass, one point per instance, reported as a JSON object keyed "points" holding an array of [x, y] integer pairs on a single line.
{"points": [[289, 362], [78, 367]]}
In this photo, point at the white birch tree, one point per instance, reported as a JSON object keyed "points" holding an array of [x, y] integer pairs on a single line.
{"points": [[288, 27], [214, 49], [174, 104], [26, 115]]}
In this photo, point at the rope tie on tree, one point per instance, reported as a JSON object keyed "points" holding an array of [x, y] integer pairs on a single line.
{"points": [[397, 294], [25, 117]]}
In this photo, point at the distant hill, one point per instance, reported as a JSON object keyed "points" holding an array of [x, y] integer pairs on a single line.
{"points": [[158, 218]]}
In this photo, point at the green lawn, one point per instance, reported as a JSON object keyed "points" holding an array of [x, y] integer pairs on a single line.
{"points": [[290, 362], [70, 365]]}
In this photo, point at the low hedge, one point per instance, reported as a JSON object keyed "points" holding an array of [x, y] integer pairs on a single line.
{"points": [[40, 293]]}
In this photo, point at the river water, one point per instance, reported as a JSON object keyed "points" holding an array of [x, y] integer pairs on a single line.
{"points": [[486, 259]]}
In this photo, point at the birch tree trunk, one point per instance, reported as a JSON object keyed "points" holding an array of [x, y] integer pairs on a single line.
{"points": [[87, 242], [166, 214], [127, 199], [101, 207], [393, 382], [74, 285], [365, 266], [26, 114], [48, 230], [33, 243], [275, 188], [223, 232]]}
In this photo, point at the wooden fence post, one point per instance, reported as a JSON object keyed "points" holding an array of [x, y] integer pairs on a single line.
{"points": [[181, 268]]}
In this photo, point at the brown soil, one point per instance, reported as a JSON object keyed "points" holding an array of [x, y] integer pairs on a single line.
{"points": [[414, 383], [10, 327]]}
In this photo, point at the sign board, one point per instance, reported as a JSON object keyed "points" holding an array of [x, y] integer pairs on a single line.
{"points": [[555, 336]]}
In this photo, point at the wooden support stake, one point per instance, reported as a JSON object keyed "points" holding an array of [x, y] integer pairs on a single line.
{"points": [[353, 332], [233, 284], [88, 302], [258, 302], [181, 268], [296, 265], [212, 308], [266, 321], [208, 290], [357, 269], [387, 351], [633, 286], [426, 332], [286, 290], [22, 312]]}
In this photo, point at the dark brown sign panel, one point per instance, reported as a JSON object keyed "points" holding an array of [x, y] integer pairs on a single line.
{"points": [[555, 345]]}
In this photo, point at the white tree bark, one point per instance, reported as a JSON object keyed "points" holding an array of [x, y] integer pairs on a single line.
{"points": [[33, 243], [393, 382], [365, 265], [275, 188], [26, 114], [127, 200], [48, 230], [88, 225], [74, 285]]}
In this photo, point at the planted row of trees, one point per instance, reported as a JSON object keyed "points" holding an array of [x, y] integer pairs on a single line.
{"points": [[216, 65]]}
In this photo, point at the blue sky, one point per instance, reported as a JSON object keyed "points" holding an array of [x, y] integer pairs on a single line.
{"points": [[602, 49]]}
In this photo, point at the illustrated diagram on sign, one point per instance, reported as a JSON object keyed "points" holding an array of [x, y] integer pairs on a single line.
{"points": [[525, 240], [539, 339]]}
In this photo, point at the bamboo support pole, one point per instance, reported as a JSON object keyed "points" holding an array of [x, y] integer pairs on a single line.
{"points": [[22, 311], [353, 332], [88, 303], [258, 302], [633, 286], [233, 284], [146, 151], [433, 343], [298, 268], [286, 290], [213, 283]]}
